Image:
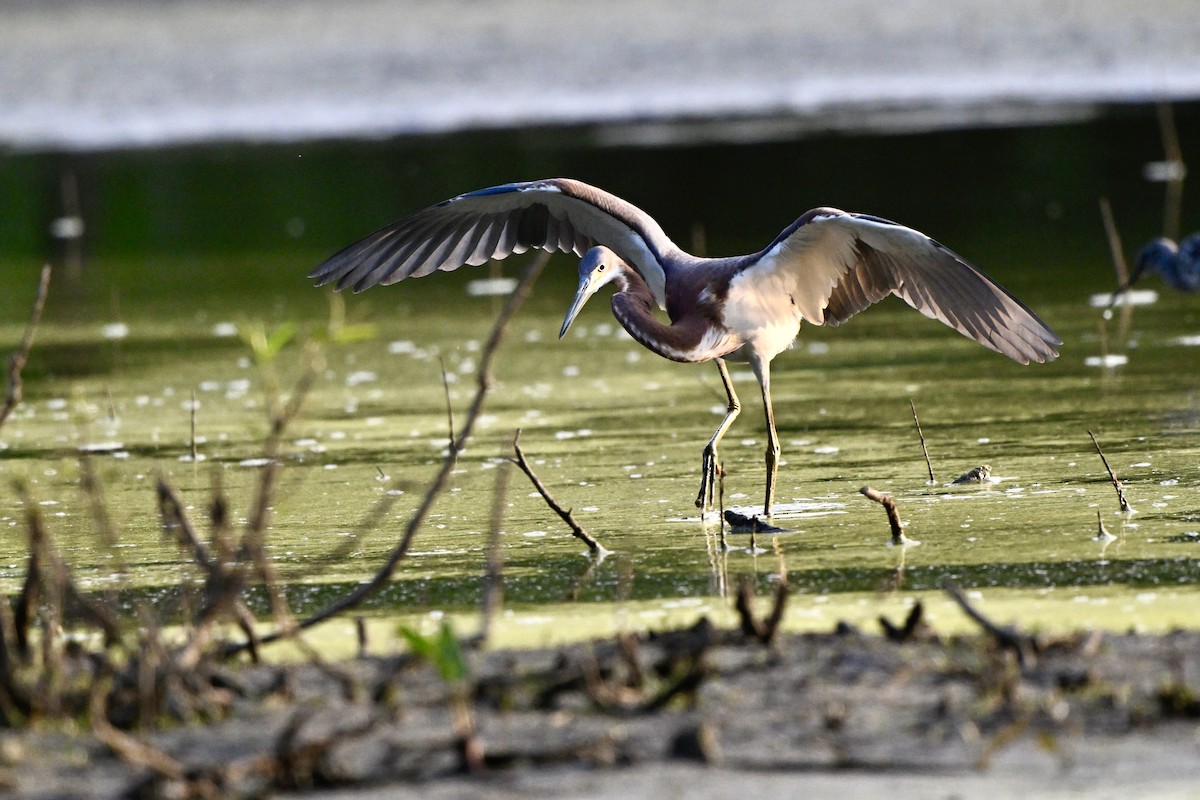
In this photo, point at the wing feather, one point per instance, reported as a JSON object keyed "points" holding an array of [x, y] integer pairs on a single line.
{"points": [[836, 264], [558, 214]]}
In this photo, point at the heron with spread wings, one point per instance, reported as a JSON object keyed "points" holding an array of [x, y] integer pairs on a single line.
{"points": [[824, 268], [1178, 264]]}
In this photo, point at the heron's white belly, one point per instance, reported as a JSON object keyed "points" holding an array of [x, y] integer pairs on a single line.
{"points": [[766, 321]]}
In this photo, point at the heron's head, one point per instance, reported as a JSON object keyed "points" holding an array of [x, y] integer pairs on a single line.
{"points": [[1157, 256], [598, 267]]}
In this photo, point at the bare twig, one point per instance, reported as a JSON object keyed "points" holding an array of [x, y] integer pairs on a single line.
{"points": [[771, 623], [193, 421], [576, 530], [253, 542], [913, 623], [893, 514], [363, 636], [763, 630], [493, 579], [1125, 507], [744, 605], [686, 684], [1114, 243], [54, 574], [224, 574], [176, 522], [449, 407], [16, 362], [101, 521], [1121, 269], [921, 434], [282, 415], [1173, 155], [383, 574], [1007, 638], [128, 748]]}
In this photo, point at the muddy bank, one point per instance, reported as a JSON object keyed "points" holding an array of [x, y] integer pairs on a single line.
{"points": [[672, 713]]}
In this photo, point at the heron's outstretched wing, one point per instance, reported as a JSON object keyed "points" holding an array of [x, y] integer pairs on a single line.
{"points": [[555, 214], [835, 264]]}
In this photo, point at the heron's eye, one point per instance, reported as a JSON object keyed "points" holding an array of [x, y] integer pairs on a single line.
{"points": [[600, 268]]}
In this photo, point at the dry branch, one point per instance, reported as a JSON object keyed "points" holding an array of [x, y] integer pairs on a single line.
{"points": [[192, 417], [493, 577], [1125, 507], [893, 514], [50, 579], [921, 434], [449, 407], [176, 523], [1114, 245], [576, 530], [128, 748], [1173, 156], [1007, 638], [763, 630], [16, 362], [913, 624]]}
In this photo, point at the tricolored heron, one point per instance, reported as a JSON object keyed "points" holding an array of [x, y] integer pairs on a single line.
{"points": [[1177, 264], [824, 268]]}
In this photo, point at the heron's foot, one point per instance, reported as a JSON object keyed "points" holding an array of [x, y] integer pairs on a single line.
{"points": [[710, 470]]}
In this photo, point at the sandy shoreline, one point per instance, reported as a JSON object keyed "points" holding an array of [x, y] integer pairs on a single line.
{"points": [[85, 74]]}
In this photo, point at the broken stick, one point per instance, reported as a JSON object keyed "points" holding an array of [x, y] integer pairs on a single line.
{"points": [[576, 530], [921, 434], [16, 362], [1125, 507], [1006, 637], [893, 514]]}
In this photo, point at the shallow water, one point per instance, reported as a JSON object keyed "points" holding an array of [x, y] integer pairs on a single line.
{"points": [[188, 251]]}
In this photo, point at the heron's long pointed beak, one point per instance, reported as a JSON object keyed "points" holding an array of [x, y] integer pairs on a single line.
{"points": [[1127, 285], [582, 294]]}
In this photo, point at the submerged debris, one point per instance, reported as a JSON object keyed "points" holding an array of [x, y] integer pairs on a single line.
{"points": [[740, 523], [978, 475], [1102, 534]]}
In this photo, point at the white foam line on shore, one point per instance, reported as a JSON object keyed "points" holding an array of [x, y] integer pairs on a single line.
{"points": [[124, 74], [921, 102]]}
